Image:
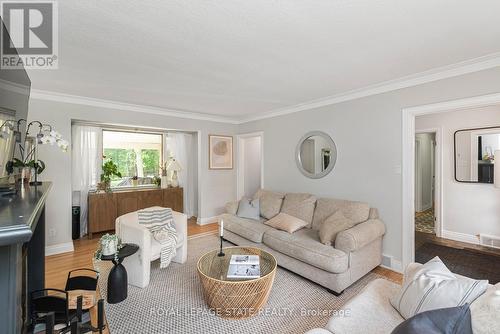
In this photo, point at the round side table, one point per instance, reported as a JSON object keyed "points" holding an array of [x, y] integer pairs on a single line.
{"points": [[117, 279]]}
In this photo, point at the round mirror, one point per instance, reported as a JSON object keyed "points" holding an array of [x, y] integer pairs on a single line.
{"points": [[316, 154]]}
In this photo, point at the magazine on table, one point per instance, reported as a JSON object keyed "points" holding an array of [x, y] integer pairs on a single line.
{"points": [[244, 259], [243, 271]]}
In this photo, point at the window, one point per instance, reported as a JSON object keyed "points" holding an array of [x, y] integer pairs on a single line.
{"points": [[135, 154]]}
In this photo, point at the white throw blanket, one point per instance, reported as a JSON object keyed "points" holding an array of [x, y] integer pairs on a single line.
{"points": [[160, 222]]}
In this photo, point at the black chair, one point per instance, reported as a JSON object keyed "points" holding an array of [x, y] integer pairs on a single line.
{"points": [[49, 323], [54, 301], [82, 282]]}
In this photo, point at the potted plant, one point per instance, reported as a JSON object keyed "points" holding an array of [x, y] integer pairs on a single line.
{"points": [[109, 244], [157, 181], [135, 180], [109, 169]]}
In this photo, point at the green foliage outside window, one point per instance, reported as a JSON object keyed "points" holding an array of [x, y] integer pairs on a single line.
{"points": [[125, 159]]}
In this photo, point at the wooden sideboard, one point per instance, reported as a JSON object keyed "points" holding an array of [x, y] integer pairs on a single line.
{"points": [[104, 208]]}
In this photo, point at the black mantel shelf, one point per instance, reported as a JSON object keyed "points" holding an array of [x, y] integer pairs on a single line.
{"points": [[22, 254], [19, 213]]}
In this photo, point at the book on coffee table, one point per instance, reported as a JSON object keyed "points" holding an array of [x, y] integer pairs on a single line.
{"points": [[243, 271], [244, 259]]}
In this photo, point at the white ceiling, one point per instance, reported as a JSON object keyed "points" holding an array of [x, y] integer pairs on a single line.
{"points": [[236, 58]]}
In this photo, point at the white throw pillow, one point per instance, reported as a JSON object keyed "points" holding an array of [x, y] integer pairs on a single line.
{"points": [[433, 286]]}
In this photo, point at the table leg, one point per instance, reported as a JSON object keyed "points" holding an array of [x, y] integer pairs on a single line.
{"points": [[117, 284]]}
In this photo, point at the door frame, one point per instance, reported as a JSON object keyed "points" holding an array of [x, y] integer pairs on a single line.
{"points": [[438, 180], [240, 172], [408, 160]]}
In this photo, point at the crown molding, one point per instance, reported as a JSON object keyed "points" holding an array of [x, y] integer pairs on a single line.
{"points": [[439, 73], [110, 104], [449, 71]]}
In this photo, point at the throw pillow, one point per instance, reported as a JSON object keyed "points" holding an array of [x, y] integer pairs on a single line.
{"points": [[270, 202], [287, 223], [332, 226], [433, 286], [453, 320], [249, 209]]}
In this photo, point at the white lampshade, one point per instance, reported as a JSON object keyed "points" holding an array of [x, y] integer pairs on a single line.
{"points": [[173, 166], [496, 172]]}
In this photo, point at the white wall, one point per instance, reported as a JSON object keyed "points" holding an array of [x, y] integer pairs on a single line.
{"points": [[424, 170], [252, 166], [468, 208], [368, 134], [216, 188]]}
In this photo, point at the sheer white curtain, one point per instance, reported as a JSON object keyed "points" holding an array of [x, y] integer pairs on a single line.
{"points": [[86, 165], [180, 146]]}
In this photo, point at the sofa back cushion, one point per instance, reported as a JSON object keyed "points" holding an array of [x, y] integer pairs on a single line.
{"points": [[358, 212], [270, 202], [300, 206]]}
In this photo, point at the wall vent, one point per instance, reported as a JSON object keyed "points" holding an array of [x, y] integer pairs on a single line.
{"points": [[489, 240]]}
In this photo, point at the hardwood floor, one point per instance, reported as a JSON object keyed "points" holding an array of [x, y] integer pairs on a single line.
{"points": [[194, 228], [58, 266], [422, 238]]}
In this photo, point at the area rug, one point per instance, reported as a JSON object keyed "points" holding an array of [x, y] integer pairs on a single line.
{"points": [[173, 302], [466, 262], [424, 221]]}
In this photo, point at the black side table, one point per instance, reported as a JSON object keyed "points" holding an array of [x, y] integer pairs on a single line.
{"points": [[117, 279]]}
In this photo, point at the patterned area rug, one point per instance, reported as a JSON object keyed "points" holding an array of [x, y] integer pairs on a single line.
{"points": [[466, 262], [173, 302], [424, 221]]}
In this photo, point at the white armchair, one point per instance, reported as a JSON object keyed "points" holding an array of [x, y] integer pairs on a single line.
{"points": [[139, 265]]}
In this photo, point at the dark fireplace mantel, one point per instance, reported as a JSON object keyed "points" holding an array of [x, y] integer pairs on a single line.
{"points": [[22, 253]]}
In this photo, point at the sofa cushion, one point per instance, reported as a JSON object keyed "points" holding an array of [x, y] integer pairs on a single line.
{"points": [[249, 208], [332, 226], [250, 229], [286, 223], [304, 246], [434, 286], [325, 207], [300, 206], [270, 202]]}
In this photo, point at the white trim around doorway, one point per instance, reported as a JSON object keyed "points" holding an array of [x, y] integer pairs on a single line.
{"points": [[408, 161], [239, 161]]}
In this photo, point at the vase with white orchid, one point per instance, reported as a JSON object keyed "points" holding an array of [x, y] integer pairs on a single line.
{"points": [[29, 162]]}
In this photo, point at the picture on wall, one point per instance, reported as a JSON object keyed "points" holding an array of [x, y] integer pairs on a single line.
{"points": [[220, 152]]}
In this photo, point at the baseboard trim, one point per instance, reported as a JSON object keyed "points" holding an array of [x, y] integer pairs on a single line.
{"points": [[463, 237], [207, 220], [388, 262], [59, 248]]}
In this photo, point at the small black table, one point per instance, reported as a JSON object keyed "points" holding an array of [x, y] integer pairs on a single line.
{"points": [[117, 279]]}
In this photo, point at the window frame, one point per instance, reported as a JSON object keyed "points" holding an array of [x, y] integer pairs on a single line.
{"points": [[126, 130]]}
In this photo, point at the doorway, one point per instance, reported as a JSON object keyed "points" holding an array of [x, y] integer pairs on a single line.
{"points": [[250, 164], [425, 182]]}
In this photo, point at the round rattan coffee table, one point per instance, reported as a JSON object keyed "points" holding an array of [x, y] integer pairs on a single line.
{"points": [[232, 298]]}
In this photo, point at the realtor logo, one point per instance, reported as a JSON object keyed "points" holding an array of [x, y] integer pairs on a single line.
{"points": [[33, 30]]}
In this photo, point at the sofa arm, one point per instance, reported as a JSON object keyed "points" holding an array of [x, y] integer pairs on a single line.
{"points": [[360, 235], [232, 207]]}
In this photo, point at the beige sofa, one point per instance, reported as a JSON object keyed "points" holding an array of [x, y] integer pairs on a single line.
{"points": [[356, 251], [371, 311]]}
